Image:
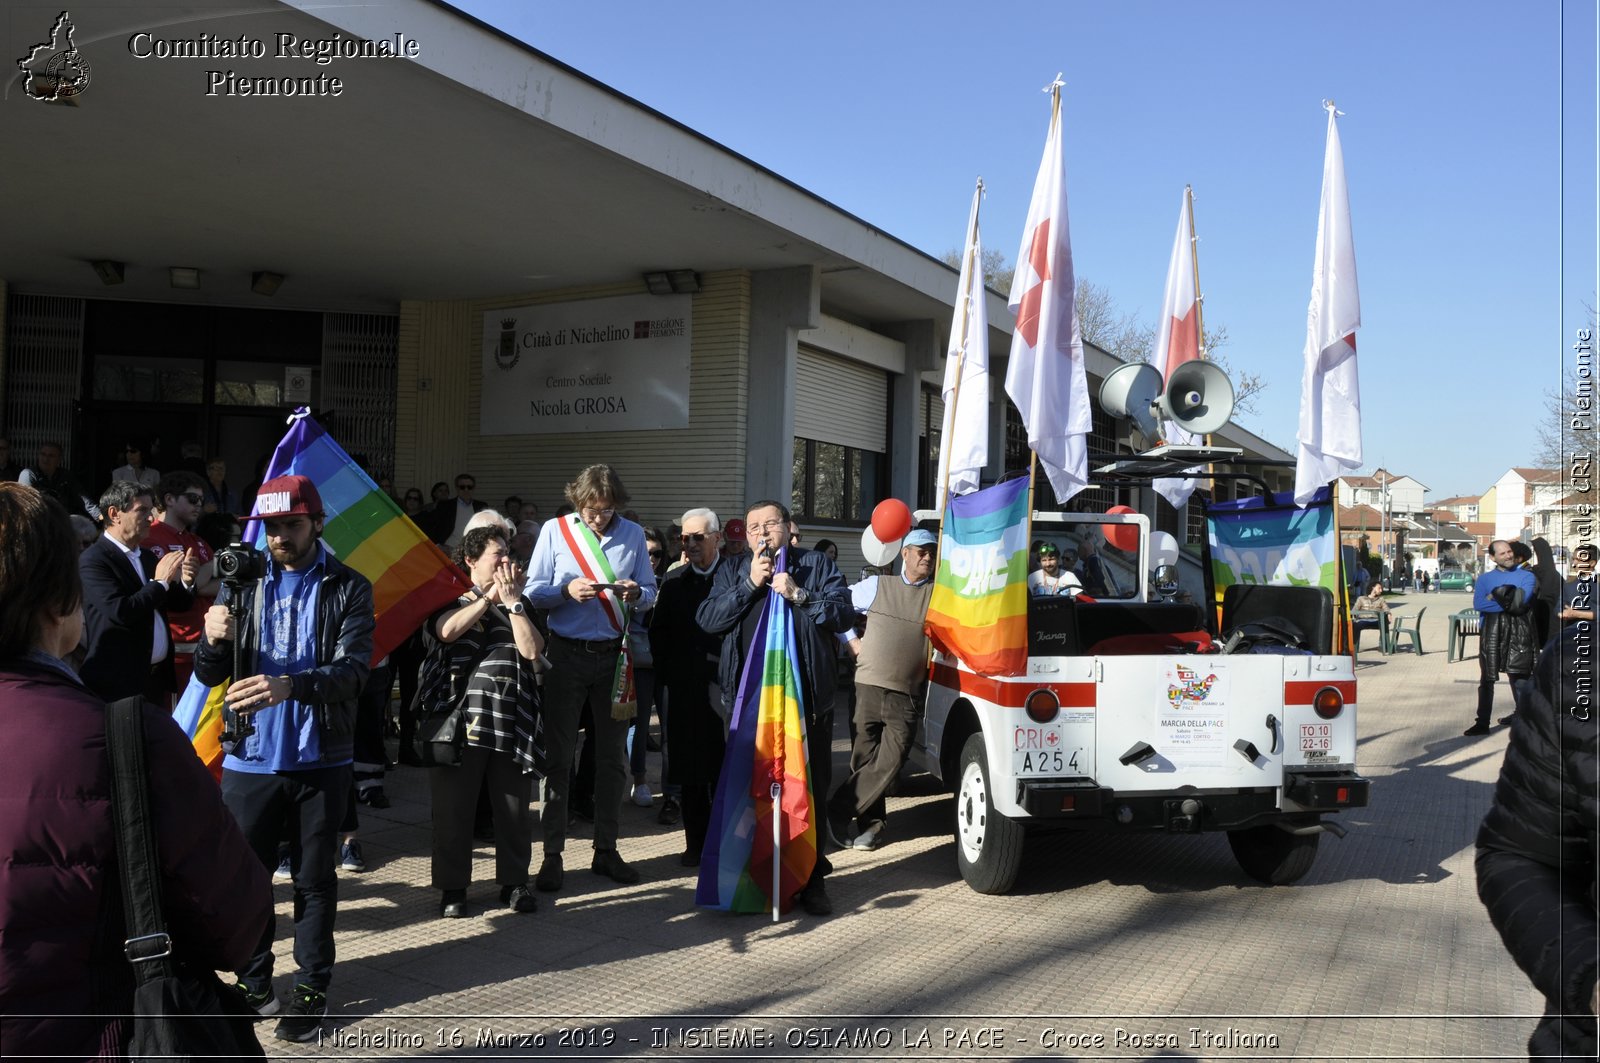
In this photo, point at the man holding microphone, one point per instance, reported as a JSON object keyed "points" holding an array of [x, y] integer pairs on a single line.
{"points": [[820, 602]]}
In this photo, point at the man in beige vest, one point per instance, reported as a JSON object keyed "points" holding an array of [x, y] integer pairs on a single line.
{"points": [[891, 677]]}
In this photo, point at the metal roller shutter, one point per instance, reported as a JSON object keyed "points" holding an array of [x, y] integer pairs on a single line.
{"points": [[840, 401]]}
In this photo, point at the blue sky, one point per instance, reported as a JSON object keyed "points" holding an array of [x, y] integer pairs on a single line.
{"points": [[1464, 169]]}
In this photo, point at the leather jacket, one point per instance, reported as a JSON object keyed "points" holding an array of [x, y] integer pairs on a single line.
{"points": [[1508, 640], [826, 612], [345, 624]]}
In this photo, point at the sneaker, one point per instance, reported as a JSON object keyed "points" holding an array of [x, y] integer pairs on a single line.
{"points": [[642, 795], [869, 839], [373, 797], [453, 905], [609, 863], [285, 873], [519, 899], [671, 812], [303, 1021], [1475, 730], [350, 857], [838, 830], [814, 899], [260, 1001], [551, 874]]}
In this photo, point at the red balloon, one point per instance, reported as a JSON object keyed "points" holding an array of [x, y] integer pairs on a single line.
{"points": [[1124, 537], [891, 520]]}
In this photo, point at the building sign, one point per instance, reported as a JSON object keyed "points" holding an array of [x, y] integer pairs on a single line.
{"points": [[597, 365]]}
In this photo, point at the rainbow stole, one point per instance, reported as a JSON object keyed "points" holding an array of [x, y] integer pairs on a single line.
{"points": [[766, 746], [979, 607]]}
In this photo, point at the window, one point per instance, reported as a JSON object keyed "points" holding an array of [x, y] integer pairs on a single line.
{"points": [[835, 483]]}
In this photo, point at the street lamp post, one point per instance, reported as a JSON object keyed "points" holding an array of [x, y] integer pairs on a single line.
{"points": [[1383, 525]]}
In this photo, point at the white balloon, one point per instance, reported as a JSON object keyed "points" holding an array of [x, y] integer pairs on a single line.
{"points": [[1163, 549], [875, 550]]}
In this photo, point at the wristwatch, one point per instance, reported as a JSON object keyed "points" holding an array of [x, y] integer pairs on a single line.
{"points": [[517, 608]]}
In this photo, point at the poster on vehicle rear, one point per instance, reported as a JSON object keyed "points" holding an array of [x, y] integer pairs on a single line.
{"points": [[1255, 541], [1192, 728]]}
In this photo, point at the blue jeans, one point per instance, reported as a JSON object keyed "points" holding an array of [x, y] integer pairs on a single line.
{"points": [[309, 806]]}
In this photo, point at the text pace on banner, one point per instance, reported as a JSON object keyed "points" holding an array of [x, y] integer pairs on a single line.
{"points": [[593, 365]]}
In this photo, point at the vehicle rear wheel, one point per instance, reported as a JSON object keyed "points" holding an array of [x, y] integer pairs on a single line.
{"points": [[988, 844], [1276, 857]]}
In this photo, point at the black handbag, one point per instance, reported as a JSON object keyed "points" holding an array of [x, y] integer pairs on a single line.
{"points": [[179, 1013], [441, 721]]}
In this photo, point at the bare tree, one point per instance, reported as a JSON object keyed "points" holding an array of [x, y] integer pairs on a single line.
{"points": [[1123, 336], [1566, 430], [996, 274]]}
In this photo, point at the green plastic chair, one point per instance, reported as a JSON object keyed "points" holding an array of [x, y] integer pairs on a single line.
{"points": [[1410, 626]]}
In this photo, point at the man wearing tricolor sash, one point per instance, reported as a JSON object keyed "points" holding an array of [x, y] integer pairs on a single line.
{"points": [[590, 569], [819, 603]]}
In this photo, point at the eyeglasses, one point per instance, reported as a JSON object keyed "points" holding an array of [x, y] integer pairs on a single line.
{"points": [[597, 514], [771, 525], [655, 555], [693, 538], [196, 499]]}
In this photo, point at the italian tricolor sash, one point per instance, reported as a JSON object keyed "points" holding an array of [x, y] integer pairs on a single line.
{"points": [[595, 566]]}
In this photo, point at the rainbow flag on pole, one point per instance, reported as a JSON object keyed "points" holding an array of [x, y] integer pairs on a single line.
{"points": [[979, 608], [364, 528], [766, 754]]}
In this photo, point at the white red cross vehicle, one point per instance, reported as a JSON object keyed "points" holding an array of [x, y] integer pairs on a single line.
{"points": [[1118, 724]]}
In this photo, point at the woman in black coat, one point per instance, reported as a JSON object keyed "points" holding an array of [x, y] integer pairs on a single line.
{"points": [[1538, 846]]}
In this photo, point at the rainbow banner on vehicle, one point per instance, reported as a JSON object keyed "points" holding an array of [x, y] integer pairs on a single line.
{"points": [[766, 749], [364, 528], [979, 607], [1265, 541]]}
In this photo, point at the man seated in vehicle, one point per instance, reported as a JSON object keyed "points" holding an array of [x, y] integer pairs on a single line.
{"points": [[1092, 571], [1051, 579]]}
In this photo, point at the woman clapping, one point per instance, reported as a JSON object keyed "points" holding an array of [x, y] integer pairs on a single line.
{"points": [[489, 643]]}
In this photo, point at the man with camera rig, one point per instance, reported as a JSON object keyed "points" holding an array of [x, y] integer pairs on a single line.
{"points": [[294, 633]]}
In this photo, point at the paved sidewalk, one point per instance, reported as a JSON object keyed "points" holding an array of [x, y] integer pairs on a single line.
{"points": [[1109, 947]]}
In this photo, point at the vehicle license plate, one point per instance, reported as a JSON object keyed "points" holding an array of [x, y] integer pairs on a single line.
{"points": [[1041, 749]]}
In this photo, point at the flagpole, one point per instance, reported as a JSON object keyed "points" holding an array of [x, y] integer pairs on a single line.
{"points": [[972, 268], [777, 848], [1199, 320]]}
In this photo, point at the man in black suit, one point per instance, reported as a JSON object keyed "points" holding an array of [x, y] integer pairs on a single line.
{"points": [[126, 593], [448, 521]]}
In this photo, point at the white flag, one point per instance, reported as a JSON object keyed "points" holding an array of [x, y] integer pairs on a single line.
{"points": [[1330, 392], [966, 410], [1045, 377], [1178, 339]]}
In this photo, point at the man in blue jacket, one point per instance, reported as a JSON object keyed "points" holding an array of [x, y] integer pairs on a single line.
{"points": [[1505, 640], [821, 601], [305, 639]]}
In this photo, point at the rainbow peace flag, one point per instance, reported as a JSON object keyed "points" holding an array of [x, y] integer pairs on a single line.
{"points": [[364, 528], [766, 747], [979, 607]]}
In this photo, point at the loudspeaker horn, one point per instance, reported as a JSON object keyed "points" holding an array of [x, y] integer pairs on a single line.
{"points": [[1198, 397], [1130, 391]]}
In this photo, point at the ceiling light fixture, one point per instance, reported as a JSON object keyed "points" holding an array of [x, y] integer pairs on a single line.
{"points": [[184, 276], [108, 271]]}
